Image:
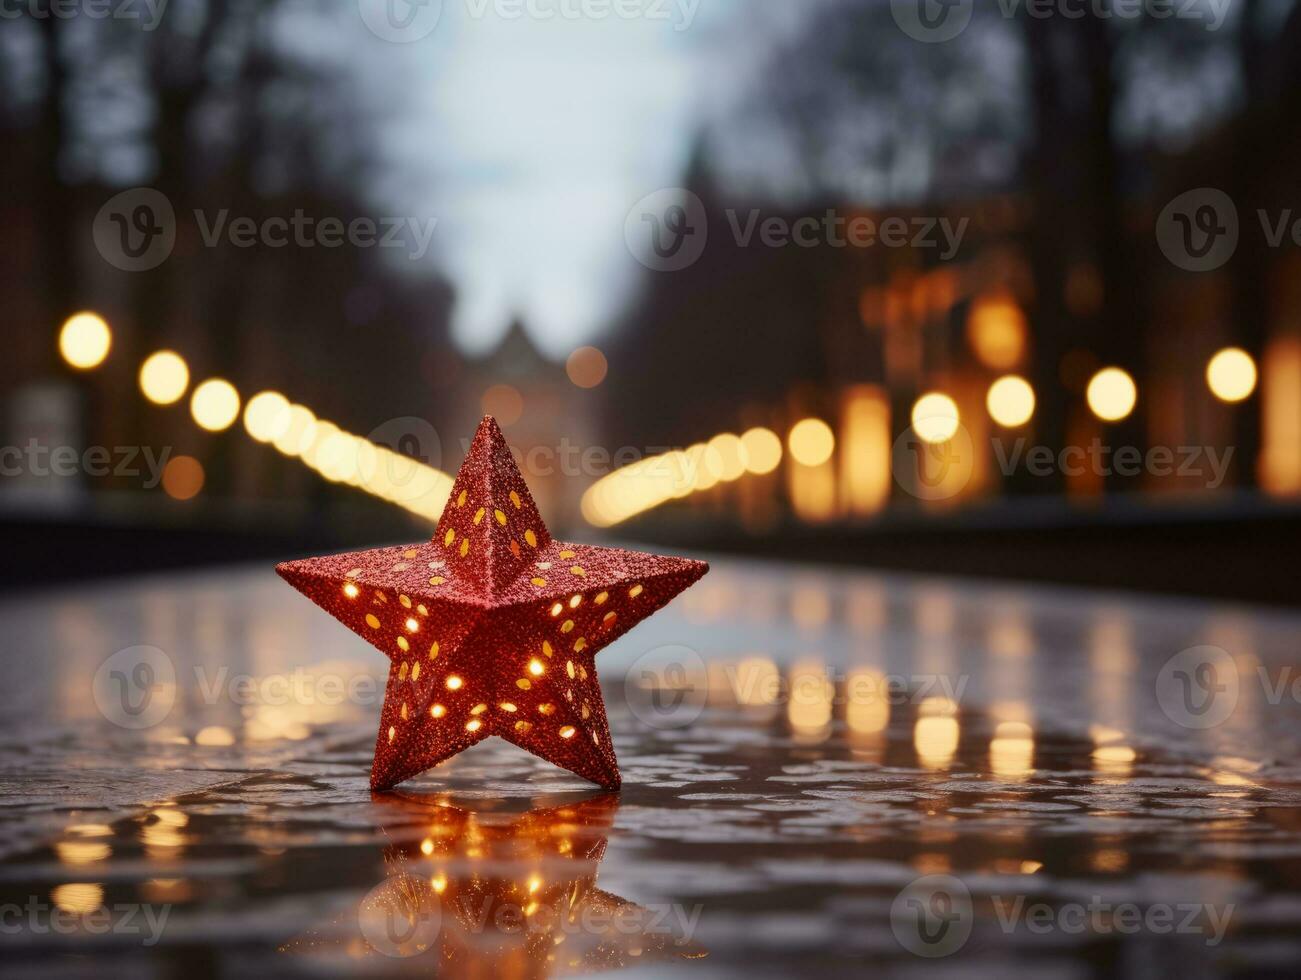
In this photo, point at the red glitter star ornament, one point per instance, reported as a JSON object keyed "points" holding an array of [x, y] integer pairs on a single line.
{"points": [[491, 626]]}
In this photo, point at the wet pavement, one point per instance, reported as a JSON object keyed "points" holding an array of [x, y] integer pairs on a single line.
{"points": [[823, 771]]}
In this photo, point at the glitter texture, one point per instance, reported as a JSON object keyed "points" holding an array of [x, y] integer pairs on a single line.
{"points": [[492, 627]]}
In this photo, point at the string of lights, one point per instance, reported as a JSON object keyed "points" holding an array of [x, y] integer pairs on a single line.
{"points": [[271, 419]]}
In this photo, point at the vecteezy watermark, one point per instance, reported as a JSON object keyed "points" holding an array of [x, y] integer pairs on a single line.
{"points": [[936, 21], [933, 917], [1199, 231], [1207, 463], [667, 231], [405, 917], [405, 21], [148, 12], [136, 687], [667, 687], [934, 469], [1200, 687], [135, 231], [40, 918], [39, 460], [834, 230]]}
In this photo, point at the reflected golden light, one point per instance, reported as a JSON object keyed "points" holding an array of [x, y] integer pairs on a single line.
{"points": [[215, 405], [79, 852], [756, 682], [79, 899], [164, 377], [811, 694], [215, 735], [763, 451], [936, 740], [1011, 751], [84, 341], [935, 417], [1010, 401], [183, 477], [868, 709], [587, 367], [811, 442], [996, 331], [267, 416], [1112, 394], [1231, 375]]}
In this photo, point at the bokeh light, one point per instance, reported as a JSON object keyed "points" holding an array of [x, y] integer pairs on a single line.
{"points": [[1112, 394], [1231, 375], [164, 377], [1010, 401], [84, 341], [183, 477], [935, 417], [763, 450], [730, 456], [215, 405], [587, 367], [267, 416], [504, 403], [811, 442], [299, 434], [996, 330]]}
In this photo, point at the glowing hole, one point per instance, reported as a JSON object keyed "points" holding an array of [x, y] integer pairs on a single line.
{"points": [[454, 683], [350, 591], [568, 731], [536, 668]]}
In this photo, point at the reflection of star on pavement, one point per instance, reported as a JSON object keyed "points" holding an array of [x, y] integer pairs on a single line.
{"points": [[492, 627], [510, 895]]}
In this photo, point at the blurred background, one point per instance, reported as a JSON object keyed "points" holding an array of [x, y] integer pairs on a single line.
{"points": [[1004, 289]]}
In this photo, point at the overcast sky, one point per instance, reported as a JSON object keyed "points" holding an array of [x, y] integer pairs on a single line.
{"points": [[530, 139]]}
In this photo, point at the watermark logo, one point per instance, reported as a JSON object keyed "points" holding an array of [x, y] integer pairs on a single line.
{"points": [[148, 12], [401, 917], [929, 468], [135, 231], [667, 687], [135, 688], [1198, 687], [932, 917], [932, 21], [667, 230], [40, 918], [1198, 230], [401, 21], [403, 474]]}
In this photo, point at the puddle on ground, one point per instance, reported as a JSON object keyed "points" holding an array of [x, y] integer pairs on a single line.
{"points": [[755, 841]]}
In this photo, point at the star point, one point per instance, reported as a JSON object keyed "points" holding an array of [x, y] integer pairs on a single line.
{"points": [[492, 627]]}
